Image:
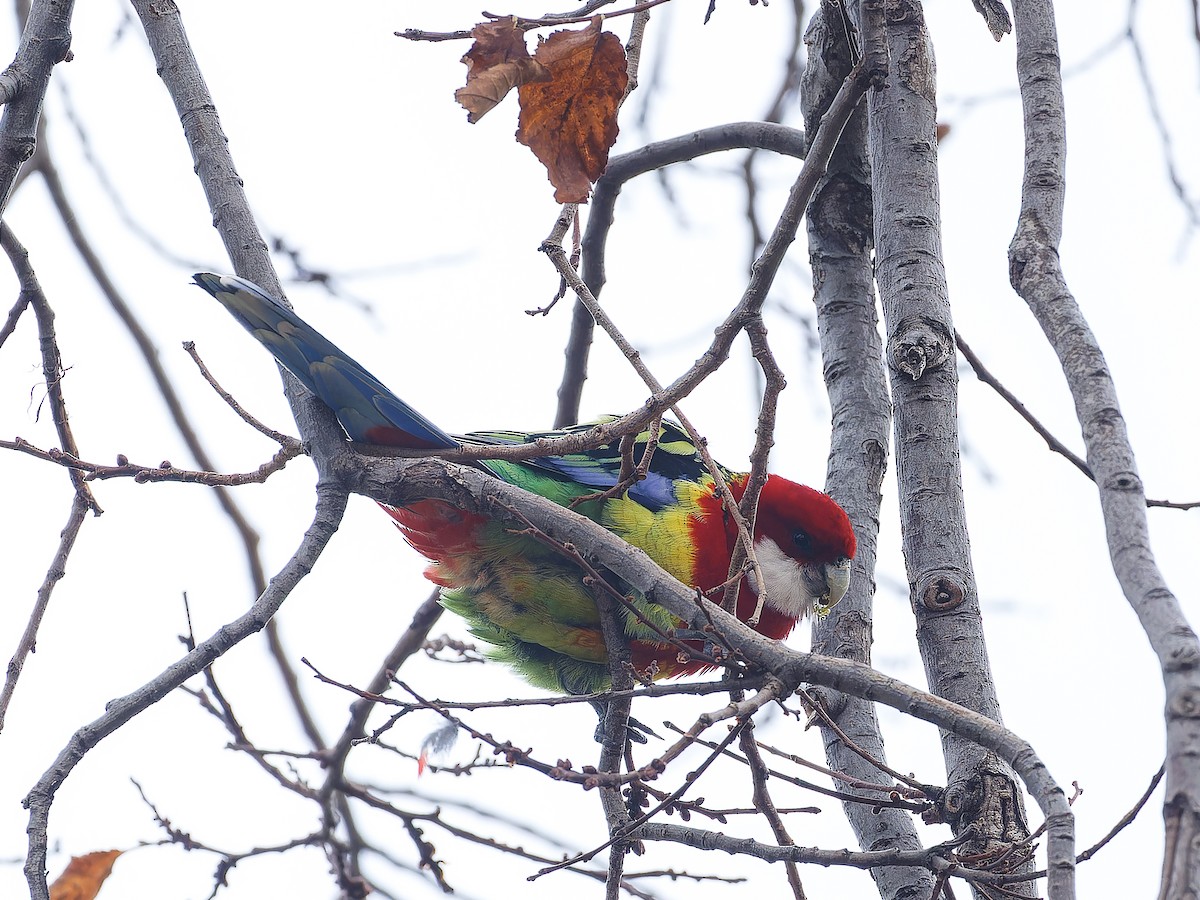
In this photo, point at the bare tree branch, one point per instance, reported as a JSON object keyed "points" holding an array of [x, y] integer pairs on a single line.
{"points": [[331, 504], [399, 482], [52, 372], [651, 158], [982, 373], [981, 795], [840, 219], [58, 568], [1036, 275], [45, 42]]}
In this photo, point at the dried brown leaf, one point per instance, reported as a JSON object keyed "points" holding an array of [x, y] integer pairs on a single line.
{"points": [[497, 62], [570, 121], [83, 876]]}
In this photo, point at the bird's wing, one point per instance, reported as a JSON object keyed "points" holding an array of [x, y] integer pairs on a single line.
{"points": [[563, 478]]}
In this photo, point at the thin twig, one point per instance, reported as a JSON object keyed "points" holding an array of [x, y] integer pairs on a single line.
{"points": [[1125, 819], [228, 859], [278, 437], [937, 859], [766, 805], [513, 755], [221, 709], [164, 471], [982, 373], [331, 505], [773, 384], [781, 103], [52, 366], [409, 643], [14, 316], [57, 570], [52, 370], [818, 708], [416, 34], [436, 818], [895, 802], [689, 780], [1156, 116]]}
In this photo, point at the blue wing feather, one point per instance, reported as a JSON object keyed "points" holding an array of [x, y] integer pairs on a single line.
{"points": [[365, 407]]}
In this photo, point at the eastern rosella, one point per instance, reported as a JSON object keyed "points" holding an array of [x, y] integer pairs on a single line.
{"points": [[524, 598]]}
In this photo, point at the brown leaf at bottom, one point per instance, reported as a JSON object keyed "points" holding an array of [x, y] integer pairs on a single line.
{"points": [[83, 876]]}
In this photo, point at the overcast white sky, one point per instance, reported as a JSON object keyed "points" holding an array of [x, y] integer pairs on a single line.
{"points": [[353, 151]]}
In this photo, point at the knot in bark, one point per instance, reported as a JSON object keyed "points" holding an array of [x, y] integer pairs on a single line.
{"points": [[956, 798], [920, 344], [20, 150], [874, 455], [1184, 704], [1183, 656], [1123, 481], [987, 804], [832, 702], [60, 47], [942, 594]]}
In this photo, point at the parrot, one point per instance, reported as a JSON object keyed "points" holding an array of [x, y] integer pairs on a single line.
{"points": [[524, 598]]}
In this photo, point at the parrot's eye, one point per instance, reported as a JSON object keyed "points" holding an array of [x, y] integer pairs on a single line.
{"points": [[801, 540]]}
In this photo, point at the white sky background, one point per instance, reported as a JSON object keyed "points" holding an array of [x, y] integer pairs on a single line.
{"points": [[353, 150]]}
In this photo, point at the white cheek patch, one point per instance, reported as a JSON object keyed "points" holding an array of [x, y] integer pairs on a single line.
{"points": [[787, 588]]}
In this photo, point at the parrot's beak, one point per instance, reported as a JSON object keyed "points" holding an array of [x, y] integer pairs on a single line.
{"points": [[837, 582]]}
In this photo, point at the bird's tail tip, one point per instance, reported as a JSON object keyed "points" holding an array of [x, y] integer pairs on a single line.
{"points": [[210, 281]]}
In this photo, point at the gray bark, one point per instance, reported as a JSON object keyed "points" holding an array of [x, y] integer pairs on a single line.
{"points": [[1036, 274], [840, 242], [981, 792], [45, 42]]}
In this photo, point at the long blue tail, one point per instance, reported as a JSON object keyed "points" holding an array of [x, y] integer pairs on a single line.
{"points": [[364, 406]]}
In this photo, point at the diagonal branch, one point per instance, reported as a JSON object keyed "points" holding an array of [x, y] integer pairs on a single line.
{"points": [[52, 367], [331, 505], [982, 373], [56, 571], [52, 371], [399, 482], [45, 42]]}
